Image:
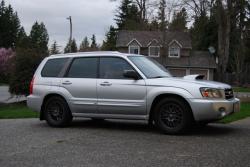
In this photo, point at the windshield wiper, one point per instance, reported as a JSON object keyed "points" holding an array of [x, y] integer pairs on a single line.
{"points": [[159, 77]]}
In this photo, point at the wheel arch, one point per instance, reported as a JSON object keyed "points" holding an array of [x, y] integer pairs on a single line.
{"points": [[159, 97], [44, 101]]}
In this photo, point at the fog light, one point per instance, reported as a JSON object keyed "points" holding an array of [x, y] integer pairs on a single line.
{"points": [[222, 109]]}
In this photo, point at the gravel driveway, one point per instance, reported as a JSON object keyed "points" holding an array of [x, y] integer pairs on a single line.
{"points": [[29, 142]]}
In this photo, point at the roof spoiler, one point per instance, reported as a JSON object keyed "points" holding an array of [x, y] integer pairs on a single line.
{"points": [[194, 77]]}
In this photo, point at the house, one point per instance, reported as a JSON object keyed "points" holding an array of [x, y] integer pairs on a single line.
{"points": [[175, 53]]}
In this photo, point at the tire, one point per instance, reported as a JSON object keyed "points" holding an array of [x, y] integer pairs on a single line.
{"points": [[173, 115], [57, 112]]}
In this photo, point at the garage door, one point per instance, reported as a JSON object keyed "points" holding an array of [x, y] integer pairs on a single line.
{"points": [[200, 71], [177, 72]]}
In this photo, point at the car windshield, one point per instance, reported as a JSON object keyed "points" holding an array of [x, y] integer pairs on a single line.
{"points": [[150, 67]]}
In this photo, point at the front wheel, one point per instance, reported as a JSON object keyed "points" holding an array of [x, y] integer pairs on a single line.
{"points": [[173, 115], [57, 112]]}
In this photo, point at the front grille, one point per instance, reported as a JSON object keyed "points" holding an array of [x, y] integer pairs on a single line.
{"points": [[229, 94]]}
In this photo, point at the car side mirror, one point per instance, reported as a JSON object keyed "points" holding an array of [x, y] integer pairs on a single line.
{"points": [[130, 74]]}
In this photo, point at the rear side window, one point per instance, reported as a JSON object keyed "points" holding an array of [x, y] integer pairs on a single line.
{"points": [[53, 67], [83, 68]]}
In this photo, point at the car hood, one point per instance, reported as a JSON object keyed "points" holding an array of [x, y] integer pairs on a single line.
{"points": [[186, 83]]}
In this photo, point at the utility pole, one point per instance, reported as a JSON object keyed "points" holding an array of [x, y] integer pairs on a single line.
{"points": [[70, 37]]}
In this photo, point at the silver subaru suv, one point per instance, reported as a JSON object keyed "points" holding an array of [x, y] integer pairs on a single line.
{"points": [[113, 85]]}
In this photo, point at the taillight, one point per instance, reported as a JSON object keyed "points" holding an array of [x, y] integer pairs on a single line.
{"points": [[31, 85]]}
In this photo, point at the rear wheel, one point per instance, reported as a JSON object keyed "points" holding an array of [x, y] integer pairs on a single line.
{"points": [[57, 112], [173, 115]]}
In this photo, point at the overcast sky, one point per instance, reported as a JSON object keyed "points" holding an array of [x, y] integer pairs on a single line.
{"points": [[88, 17]]}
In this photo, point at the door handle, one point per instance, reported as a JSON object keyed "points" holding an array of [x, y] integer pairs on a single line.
{"points": [[66, 83], [105, 84]]}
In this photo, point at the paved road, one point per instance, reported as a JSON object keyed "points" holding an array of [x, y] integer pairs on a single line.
{"points": [[29, 142], [5, 96]]}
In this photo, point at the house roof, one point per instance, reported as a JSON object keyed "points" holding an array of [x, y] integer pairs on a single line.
{"points": [[197, 59], [145, 37]]}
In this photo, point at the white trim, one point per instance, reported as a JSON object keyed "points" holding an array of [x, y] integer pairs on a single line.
{"points": [[152, 41], [139, 49], [154, 55], [175, 42], [136, 41], [179, 53]]}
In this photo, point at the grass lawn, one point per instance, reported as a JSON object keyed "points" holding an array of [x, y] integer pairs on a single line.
{"points": [[244, 112], [241, 89], [18, 110]]}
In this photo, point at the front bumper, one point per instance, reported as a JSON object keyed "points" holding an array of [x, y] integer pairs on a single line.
{"points": [[209, 110]]}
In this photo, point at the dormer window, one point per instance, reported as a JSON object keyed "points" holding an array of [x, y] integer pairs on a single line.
{"points": [[154, 51], [134, 49], [134, 46], [174, 51]]}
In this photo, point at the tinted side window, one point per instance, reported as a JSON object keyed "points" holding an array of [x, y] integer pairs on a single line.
{"points": [[83, 68], [53, 67], [113, 68]]}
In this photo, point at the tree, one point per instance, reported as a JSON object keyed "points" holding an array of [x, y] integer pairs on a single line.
{"points": [[179, 21], [162, 15], [84, 46], [154, 25], [9, 26], [22, 39], [238, 49], [54, 48], [71, 46], [6, 55], [110, 40], [26, 62], [128, 17], [30, 51], [93, 42], [39, 38]]}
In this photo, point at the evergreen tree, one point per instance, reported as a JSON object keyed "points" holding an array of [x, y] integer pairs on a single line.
{"points": [[162, 15], [179, 21], [54, 48], [200, 33], [154, 25], [9, 26], [71, 47], [22, 39], [39, 38], [26, 62], [93, 42], [128, 17], [84, 46], [110, 42], [30, 51]]}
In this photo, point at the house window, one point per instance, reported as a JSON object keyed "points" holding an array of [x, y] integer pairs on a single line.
{"points": [[174, 51], [154, 51], [134, 49]]}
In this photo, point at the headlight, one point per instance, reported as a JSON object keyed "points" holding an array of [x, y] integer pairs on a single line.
{"points": [[211, 93]]}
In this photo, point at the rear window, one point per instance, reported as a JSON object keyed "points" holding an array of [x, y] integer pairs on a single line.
{"points": [[53, 67]]}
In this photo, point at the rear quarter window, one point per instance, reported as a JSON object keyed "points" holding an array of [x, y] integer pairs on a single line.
{"points": [[53, 67]]}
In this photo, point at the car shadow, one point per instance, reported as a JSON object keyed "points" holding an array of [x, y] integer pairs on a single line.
{"points": [[214, 129]]}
